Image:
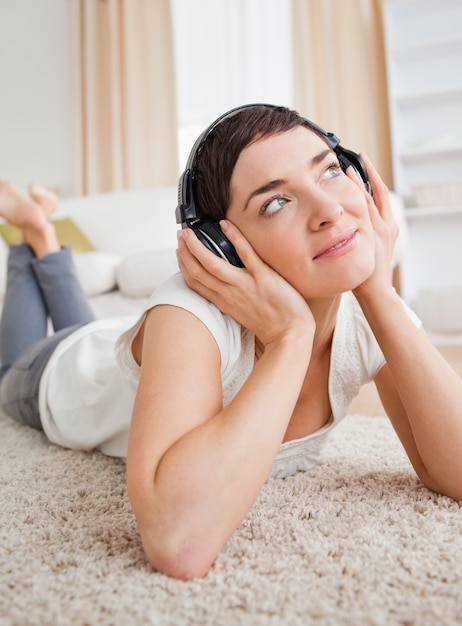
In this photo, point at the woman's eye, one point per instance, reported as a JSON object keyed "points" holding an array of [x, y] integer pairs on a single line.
{"points": [[273, 206], [332, 171]]}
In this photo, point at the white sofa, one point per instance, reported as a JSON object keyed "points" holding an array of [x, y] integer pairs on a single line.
{"points": [[134, 236]]}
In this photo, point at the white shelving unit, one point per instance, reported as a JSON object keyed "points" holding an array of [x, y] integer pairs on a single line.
{"points": [[423, 40]]}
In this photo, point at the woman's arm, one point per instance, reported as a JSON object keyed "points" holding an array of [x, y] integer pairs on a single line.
{"points": [[195, 468], [420, 392], [423, 398]]}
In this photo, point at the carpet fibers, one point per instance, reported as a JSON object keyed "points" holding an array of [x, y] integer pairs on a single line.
{"points": [[356, 541]]}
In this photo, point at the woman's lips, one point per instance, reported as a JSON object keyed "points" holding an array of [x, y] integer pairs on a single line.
{"points": [[338, 245]]}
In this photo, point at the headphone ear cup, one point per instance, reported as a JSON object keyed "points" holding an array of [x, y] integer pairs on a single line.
{"points": [[212, 237]]}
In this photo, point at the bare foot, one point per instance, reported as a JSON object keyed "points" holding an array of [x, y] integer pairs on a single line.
{"points": [[21, 211], [46, 198], [18, 209]]}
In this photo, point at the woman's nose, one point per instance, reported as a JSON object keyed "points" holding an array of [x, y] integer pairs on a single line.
{"points": [[324, 211]]}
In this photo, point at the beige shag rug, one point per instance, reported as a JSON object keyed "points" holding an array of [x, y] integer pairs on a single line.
{"points": [[356, 541]]}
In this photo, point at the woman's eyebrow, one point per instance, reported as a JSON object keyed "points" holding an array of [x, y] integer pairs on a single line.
{"points": [[274, 184], [319, 158], [264, 189]]}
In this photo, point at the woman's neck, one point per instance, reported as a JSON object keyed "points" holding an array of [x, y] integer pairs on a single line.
{"points": [[325, 312]]}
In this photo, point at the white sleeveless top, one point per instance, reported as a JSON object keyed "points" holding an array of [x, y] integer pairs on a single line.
{"points": [[95, 411]]}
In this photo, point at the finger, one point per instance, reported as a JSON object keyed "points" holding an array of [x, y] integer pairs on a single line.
{"points": [[379, 188], [372, 208], [203, 271], [353, 175], [247, 254], [190, 254], [212, 263], [381, 206], [378, 201]]}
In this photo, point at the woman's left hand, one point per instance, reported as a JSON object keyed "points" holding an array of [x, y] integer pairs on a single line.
{"points": [[385, 228]]}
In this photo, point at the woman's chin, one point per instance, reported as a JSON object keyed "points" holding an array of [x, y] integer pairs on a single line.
{"points": [[362, 276], [355, 280]]}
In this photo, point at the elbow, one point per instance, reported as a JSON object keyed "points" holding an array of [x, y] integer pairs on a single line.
{"points": [[450, 489], [169, 540], [173, 559], [180, 570], [175, 550]]}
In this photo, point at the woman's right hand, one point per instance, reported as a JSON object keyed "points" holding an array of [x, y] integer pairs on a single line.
{"points": [[255, 296]]}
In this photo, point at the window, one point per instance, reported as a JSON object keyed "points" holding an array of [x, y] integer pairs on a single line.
{"points": [[228, 53]]}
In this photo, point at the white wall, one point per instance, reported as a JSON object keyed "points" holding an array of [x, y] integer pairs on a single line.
{"points": [[35, 93]]}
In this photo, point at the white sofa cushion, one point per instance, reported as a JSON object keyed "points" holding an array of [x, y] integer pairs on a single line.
{"points": [[97, 271], [126, 222], [139, 274]]}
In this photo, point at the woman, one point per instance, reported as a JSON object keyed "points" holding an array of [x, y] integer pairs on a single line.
{"points": [[234, 374]]}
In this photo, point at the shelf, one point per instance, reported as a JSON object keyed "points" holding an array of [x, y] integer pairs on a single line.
{"points": [[428, 154], [424, 212], [429, 97], [430, 46]]}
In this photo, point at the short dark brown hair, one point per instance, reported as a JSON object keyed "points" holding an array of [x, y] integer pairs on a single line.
{"points": [[217, 157]]}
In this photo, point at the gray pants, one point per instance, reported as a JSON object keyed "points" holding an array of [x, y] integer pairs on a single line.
{"points": [[37, 289]]}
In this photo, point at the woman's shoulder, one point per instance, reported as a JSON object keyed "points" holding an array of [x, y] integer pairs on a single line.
{"points": [[175, 292], [225, 330]]}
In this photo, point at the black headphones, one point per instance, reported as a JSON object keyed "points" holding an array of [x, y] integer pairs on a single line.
{"points": [[208, 231]]}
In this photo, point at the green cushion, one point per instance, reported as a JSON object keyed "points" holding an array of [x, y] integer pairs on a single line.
{"points": [[67, 231]]}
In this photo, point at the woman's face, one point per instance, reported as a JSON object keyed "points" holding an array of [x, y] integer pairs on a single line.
{"points": [[303, 216]]}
